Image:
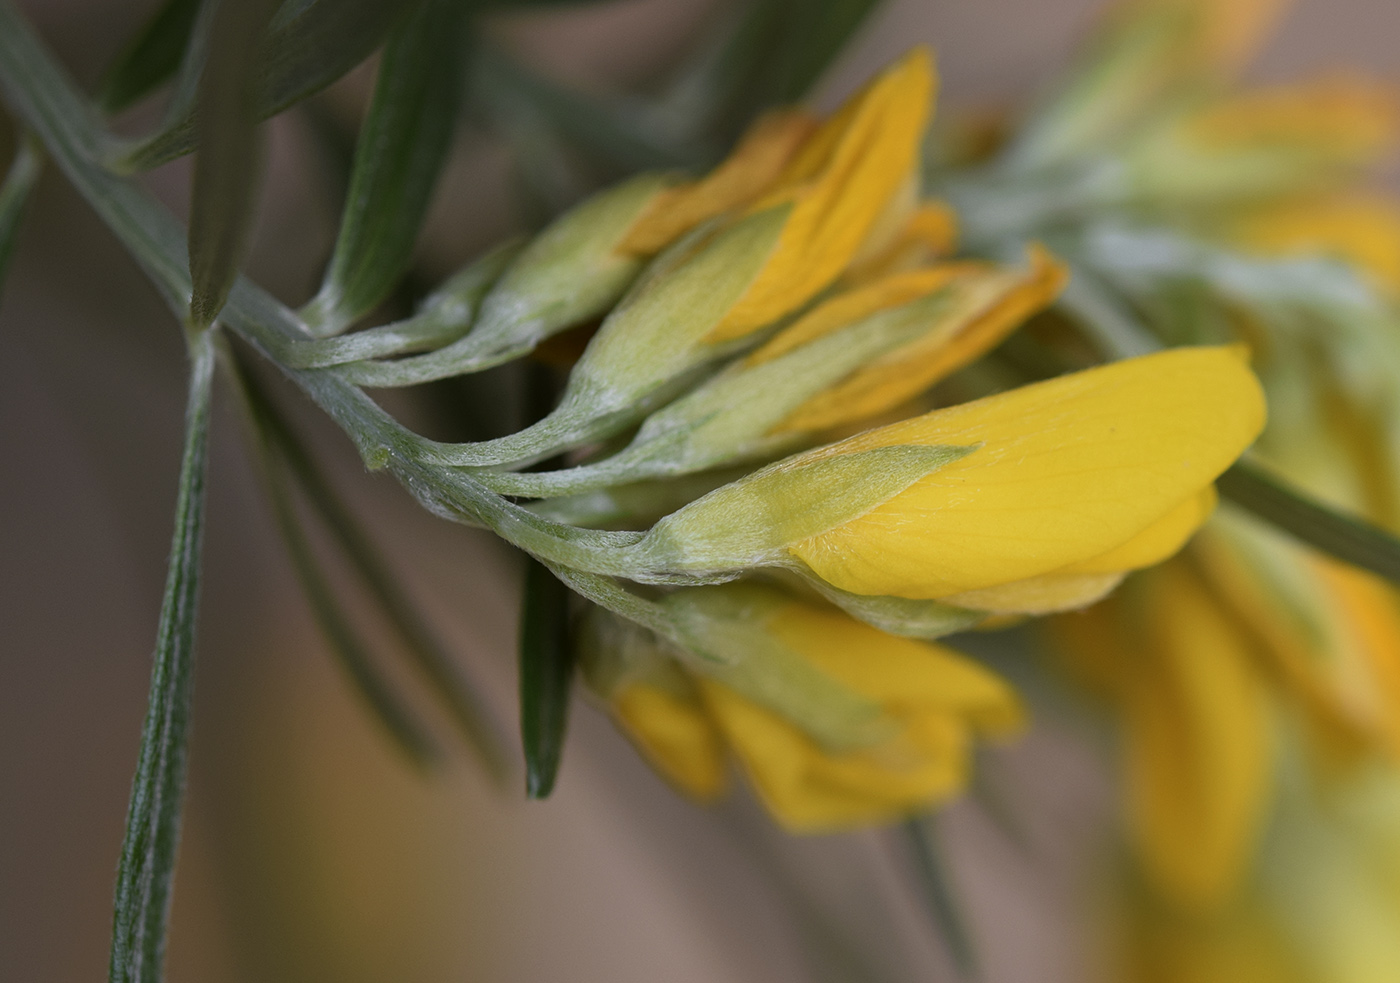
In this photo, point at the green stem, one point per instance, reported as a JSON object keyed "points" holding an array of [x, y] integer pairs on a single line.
{"points": [[146, 870]]}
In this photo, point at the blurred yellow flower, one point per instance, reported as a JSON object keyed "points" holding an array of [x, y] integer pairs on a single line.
{"points": [[685, 716]]}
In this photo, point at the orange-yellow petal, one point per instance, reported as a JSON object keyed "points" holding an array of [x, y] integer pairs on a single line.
{"points": [[749, 172], [674, 734], [989, 308], [838, 185]]}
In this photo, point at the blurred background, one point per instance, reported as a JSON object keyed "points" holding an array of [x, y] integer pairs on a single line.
{"points": [[311, 851]]}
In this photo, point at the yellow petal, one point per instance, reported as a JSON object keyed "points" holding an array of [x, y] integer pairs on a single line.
{"points": [[929, 232], [1198, 743], [1356, 228], [853, 305], [809, 790], [1368, 612], [839, 185], [990, 307], [895, 671], [750, 171], [1341, 117], [1046, 594], [1155, 543], [1066, 470], [676, 736]]}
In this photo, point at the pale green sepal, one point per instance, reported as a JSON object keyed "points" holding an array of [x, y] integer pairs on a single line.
{"points": [[650, 348], [569, 273], [443, 316], [898, 615], [730, 417], [752, 522]]}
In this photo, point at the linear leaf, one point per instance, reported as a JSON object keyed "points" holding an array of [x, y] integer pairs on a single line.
{"points": [[147, 865], [226, 171], [300, 55], [14, 196], [546, 676], [935, 886], [401, 150], [465, 705], [402, 727], [1345, 537], [151, 58]]}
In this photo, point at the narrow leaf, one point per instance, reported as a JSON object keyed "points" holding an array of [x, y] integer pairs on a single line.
{"points": [[151, 58], [466, 707], [226, 171], [935, 886], [1279, 503], [546, 676], [301, 54], [401, 149], [14, 196], [147, 866]]}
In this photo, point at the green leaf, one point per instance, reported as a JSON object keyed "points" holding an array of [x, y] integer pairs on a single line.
{"points": [[14, 196], [1345, 537], [151, 58], [226, 171], [147, 866], [301, 54], [402, 147], [939, 896], [546, 676]]}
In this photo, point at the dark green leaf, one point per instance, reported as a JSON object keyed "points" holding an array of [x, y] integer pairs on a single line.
{"points": [[623, 134], [546, 676], [14, 196], [1345, 537], [226, 172], [300, 55], [401, 149], [935, 886], [151, 58], [147, 865]]}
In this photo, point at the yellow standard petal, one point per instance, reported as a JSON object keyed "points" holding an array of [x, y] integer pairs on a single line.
{"points": [[1064, 471], [838, 186]]}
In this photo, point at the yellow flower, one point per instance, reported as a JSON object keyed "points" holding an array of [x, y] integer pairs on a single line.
{"points": [[1266, 142], [1145, 52], [1359, 228], [1033, 500], [685, 716], [1197, 736]]}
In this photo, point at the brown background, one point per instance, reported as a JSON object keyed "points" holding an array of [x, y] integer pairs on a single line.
{"points": [[310, 853]]}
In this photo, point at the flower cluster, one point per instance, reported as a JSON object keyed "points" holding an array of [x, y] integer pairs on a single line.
{"points": [[798, 505]]}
